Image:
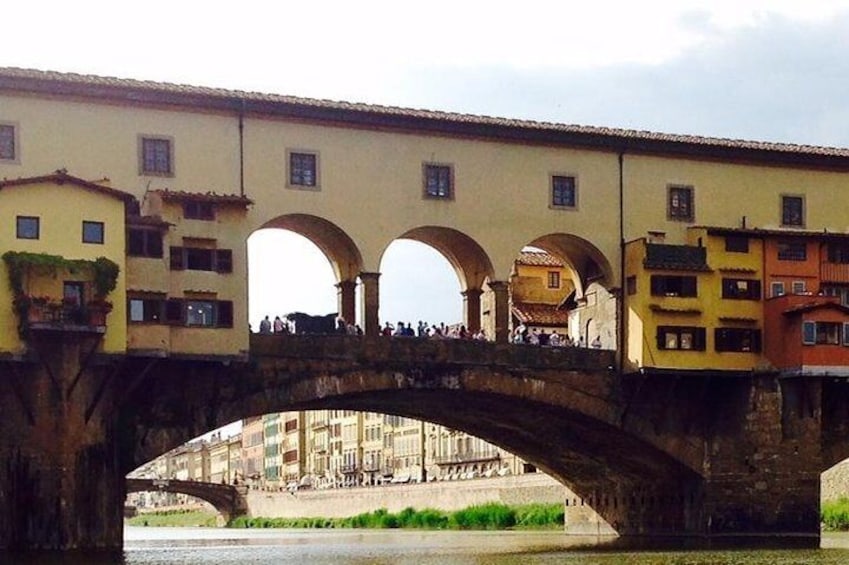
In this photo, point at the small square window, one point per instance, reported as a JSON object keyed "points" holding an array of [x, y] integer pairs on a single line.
{"points": [[92, 232], [27, 227], [194, 210], [438, 181], [564, 193], [303, 169], [8, 143], [156, 156], [798, 287], [737, 243], [680, 203], [777, 289], [793, 211], [553, 279]]}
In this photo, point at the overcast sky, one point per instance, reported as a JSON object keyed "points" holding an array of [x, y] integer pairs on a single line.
{"points": [[772, 70]]}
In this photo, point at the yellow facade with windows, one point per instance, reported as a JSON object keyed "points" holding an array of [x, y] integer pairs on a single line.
{"points": [[59, 205], [683, 302]]}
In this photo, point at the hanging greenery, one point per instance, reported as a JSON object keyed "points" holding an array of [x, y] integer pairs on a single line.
{"points": [[18, 263]]}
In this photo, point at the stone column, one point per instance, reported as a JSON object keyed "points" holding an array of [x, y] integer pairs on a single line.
{"points": [[502, 310], [61, 478], [345, 300], [472, 309], [370, 303]]}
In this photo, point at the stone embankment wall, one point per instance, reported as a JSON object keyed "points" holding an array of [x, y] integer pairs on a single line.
{"points": [[835, 482], [449, 496]]}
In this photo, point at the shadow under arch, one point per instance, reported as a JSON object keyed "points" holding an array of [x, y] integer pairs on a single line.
{"points": [[583, 259], [466, 256], [337, 246]]}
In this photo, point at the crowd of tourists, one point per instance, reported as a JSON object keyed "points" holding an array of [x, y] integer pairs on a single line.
{"points": [[337, 324]]}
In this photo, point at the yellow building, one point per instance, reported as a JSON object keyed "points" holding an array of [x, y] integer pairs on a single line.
{"points": [[65, 264], [696, 305], [539, 287]]}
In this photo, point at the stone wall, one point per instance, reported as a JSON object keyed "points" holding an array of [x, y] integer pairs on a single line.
{"points": [[449, 496], [835, 482]]}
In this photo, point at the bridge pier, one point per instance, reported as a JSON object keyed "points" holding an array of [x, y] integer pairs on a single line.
{"points": [[61, 484]]}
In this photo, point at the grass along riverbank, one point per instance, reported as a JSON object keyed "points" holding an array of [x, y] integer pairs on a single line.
{"points": [[492, 516]]}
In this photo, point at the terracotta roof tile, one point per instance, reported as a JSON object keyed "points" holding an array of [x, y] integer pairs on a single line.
{"points": [[537, 314], [62, 177], [538, 259], [183, 196]]}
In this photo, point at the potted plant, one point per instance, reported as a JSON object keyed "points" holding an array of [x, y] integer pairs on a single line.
{"points": [[98, 308]]}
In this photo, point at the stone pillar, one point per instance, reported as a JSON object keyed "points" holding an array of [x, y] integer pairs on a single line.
{"points": [[370, 303], [501, 305], [61, 478], [472, 309], [345, 300]]}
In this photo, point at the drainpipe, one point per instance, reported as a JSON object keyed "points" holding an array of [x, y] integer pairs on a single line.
{"points": [[242, 148], [620, 311]]}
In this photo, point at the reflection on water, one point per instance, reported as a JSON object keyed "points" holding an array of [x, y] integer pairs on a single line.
{"points": [[207, 546]]}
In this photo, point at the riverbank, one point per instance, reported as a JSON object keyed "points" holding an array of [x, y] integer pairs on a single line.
{"points": [[492, 516]]}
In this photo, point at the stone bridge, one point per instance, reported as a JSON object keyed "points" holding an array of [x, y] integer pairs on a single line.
{"points": [[704, 456], [229, 500]]}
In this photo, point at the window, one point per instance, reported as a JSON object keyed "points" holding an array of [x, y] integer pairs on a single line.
{"points": [[563, 192], [680, 203], [777, 289], [144, 243], [8, 143], [553, 279], [27, 227], [673, 285], [792, 251], [92, 232], [737, 243], [685, 338], [838, 253], [199, 312], [744, 289], [842, 292], [798, 287], [194, 210], [793, 211], [631, 285], [822, 333], [197, 259], [737, 339], [438, 181], [303, 169], [156, 156], [149, 310]]}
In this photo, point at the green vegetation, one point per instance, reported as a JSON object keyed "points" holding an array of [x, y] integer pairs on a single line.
{"points": [[835, 515], [175, 518], [493, 516]]}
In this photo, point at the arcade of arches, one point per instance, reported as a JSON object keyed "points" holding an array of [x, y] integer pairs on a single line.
{"points": [[484, 280]]}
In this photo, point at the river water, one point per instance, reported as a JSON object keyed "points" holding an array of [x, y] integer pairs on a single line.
{"points": [[208, 546]]}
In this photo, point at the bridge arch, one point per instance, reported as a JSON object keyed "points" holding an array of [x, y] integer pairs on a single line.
{"points": [[585, 262], [343, 254], [228, 500]]}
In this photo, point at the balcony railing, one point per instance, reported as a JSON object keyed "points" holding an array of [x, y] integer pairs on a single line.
{"points": [[468, 457], [65, 317]]}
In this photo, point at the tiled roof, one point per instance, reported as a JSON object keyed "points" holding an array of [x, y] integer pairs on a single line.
{"points": [[816, 303], [182, 196], [62, 177], [140, 92], [790, 232], [538, 259], [536, 314], [675, 257]]}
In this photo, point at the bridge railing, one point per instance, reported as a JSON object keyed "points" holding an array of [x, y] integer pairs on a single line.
{"points": [[409, 350]]}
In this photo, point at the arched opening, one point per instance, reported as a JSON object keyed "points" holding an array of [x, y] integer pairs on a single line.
{"points": [[439, 274], [301, 263], [559, 294]]}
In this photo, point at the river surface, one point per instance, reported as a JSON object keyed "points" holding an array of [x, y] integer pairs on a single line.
{"points": [[208, 546]]}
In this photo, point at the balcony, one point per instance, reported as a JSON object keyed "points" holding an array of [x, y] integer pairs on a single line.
{"points": [[44, 315], [349, 469]]}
